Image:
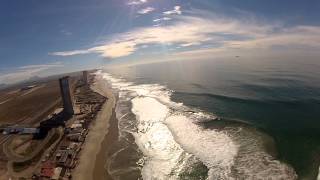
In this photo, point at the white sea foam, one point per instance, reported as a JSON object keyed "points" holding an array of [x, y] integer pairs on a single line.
{"points": [[215, 149], [155, 139], [163, 156], [252, 160], [166, 130]]}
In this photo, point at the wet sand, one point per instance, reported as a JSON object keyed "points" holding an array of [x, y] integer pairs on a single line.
{"points": [[92, 157], [107, 147], [117, 156]]}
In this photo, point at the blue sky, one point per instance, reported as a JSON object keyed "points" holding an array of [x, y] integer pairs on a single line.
{"points": [[44, 37]]}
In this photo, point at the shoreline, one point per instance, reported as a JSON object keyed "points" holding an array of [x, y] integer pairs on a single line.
{"points": [[100, 171], [92, 158]]}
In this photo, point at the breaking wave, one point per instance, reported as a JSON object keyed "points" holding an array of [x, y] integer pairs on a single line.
{"points": [[169, 134]]}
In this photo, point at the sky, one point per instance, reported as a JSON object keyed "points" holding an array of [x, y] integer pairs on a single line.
{"points": [[45, 37]]}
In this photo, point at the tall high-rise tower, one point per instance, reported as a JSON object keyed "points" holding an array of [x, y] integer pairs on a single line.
{"points": [[85, 77], [66, 95]]}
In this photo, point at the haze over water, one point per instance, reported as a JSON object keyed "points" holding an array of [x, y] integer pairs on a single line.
{"points": [[268, 93]]}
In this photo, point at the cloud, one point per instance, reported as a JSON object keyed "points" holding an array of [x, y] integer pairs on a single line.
{"points": [[190, 44], [146, 10], [66, 32], [116, 49], [137, 2], [162, 19], [70, 53], [39, 66], [215, 32], [176, 10], [299, 38], [25, 72], [187, 30]]}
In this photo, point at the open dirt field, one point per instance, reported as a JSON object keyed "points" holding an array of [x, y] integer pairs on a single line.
{"points": [[29, 106]]}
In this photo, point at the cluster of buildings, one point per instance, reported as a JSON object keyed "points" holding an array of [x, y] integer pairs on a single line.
{"points": [[80, 106], [59, 163], [76, 132], [83, 105]]}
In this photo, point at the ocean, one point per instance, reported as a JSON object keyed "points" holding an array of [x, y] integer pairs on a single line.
{"points": [[232, 118]]}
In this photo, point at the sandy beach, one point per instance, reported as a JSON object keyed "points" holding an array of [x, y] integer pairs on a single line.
{"points": [[108, 145], [102, 132]]}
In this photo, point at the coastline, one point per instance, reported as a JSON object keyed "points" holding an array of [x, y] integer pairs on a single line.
{"points": [[92, 157], [100, 171]]}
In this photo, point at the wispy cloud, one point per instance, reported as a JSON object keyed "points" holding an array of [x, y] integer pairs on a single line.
{"points": [[137, 2], [41, 66], [217, 32], [162, 19], [69, 53], [66, 32], [190, 44], [299, 36], [188, 30], [25, 72], [176, 10], [146, 10]]}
